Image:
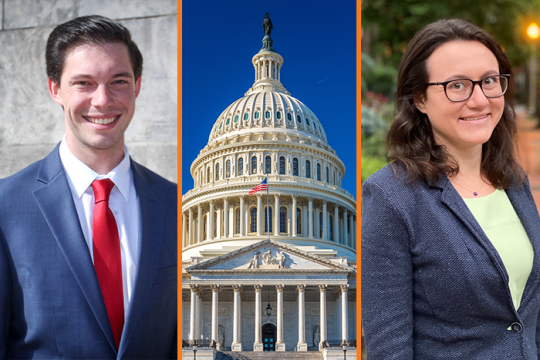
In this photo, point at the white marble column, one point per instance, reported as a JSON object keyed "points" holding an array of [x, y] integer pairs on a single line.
{"points": [[344, 322], [237, 320], [310, 218], [322, 290], [260, 213], [225, 217], [199, 315], [351, 227], [258, 345], [185, 241], [276, 215], [345, 228], [280, 344], [325, 221], [336, 223], [192, 313], [294, 220], [242, 216], [190, 226], [215, 323], [354, 242], [199, 224], [211, 222], [301, 345]]}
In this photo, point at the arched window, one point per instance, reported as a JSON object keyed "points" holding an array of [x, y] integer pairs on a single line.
{"points": [[215, 224], [320, 225], [268, 165], [298, 221], [253, 164], [278, 115], [246, 116], [241, 166], [299, 119], [289, 116], [228, 168], [268, 114], [229, 120], [282, 165], [267, 213], [295, 167], [208, 175], [308, 169], [253, 220], [237, 222], [217, 172], [330, 227], [283, 219], [307, 121], [327, 177], [205, 224], [318, 171], [257, 114]]}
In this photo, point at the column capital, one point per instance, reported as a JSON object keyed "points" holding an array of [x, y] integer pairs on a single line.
{"points": [[259, 195], [301, 287], [277, 195], [190, 210], [344, 288], [211, 201], [199, 206], [215, 288], [237, 288], [279, 287], [258, 287], [193, 288], [322, 288], [225, 199], [294, 196], [324, 202], [310, 198], [241, 197]]}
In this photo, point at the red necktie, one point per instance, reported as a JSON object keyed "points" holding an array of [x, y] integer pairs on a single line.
{"points": [[107, 261]]}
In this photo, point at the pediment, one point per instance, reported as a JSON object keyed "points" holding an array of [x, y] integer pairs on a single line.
{"points": [[268, 256]]}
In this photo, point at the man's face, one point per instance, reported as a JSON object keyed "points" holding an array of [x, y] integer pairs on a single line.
{"points": [[97, 90]]}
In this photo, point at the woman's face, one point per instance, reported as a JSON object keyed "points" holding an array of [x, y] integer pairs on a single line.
{"points": [[466, 125]]}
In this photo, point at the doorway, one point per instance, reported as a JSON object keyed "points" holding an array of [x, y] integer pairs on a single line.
{"points": [[269, 337]]}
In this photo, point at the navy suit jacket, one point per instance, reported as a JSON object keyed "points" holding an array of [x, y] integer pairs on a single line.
{"points": [[433, 285], [50, 300]]}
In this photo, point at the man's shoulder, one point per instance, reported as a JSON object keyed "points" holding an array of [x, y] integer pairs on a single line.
{"points": [[23, 180], [156, 181]]}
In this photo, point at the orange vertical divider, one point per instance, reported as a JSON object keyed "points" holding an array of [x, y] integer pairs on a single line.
{"points": [[179, 172]]}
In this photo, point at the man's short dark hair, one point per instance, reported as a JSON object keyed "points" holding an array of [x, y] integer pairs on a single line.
{"points": [[83, 30]]}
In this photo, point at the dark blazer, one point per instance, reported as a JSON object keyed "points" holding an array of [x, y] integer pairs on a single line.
{"points": [[50, 300], [433, 285]]}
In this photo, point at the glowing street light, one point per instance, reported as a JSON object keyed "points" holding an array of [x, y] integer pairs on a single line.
{"points": [[533, 32]]}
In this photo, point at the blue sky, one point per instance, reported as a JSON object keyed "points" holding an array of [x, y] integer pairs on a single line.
{"points": [[317, 40]]}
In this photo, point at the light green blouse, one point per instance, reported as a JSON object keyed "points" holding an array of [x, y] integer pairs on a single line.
{"points": [[499, 220]]}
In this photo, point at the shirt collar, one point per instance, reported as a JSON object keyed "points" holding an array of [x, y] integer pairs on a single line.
{"points": [[80, 176]]}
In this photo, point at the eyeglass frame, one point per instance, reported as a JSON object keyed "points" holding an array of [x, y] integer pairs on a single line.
{"points": [[479, 82]]}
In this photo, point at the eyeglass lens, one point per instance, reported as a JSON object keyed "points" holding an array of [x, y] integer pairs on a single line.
{"points": [[492, 86]]}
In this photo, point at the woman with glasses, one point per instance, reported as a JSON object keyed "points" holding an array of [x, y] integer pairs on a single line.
{"points": [[450, 228]]}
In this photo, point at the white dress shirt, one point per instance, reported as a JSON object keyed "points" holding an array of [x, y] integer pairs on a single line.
{"points": [[123, 202]]}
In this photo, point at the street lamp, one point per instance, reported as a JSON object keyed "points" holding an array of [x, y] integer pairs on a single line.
{"points": [[533, 32], [194, 352], [344, 352]]}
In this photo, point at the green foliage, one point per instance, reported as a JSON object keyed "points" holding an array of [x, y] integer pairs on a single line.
{"points": [[373, 153]]}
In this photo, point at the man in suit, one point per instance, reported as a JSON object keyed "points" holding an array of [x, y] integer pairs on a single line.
{"points": [[88, 253]]}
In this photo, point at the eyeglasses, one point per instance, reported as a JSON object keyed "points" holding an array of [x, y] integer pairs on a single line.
{"points": [[492, 86]]}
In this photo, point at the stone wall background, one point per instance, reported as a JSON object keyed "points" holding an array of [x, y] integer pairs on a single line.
{"points": [[31, 124]]}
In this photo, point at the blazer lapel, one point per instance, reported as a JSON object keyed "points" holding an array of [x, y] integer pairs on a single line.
{"points": [[523, 203], [152, 222], [56, 204]]}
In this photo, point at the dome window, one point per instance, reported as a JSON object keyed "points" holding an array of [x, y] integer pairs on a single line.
{"points": [[298, 221], [319, 172], [327, 177], [282, 165], [253, 219], [320, 225], [289, 116], [330, 228], [299, 119], [240, 166], [268, 165], [295, 167], [208, 175], [282, 219], [217, 172], [228, 168], [237, 222], [308, 169], [307, 122], [220, 125], [253, 164], [246, 116], [268, 114], [257, 114], [278, 115], [235, 118], [314, 124]]}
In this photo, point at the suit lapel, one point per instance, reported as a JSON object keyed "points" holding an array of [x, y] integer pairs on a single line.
{"points": [[152, 222], [523, 203], [56, 204]]}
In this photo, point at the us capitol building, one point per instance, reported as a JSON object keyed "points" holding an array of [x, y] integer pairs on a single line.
{"points": [[249, 284]]}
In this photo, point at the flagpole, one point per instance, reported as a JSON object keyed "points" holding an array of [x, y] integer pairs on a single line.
{"points": [[268, 207]]}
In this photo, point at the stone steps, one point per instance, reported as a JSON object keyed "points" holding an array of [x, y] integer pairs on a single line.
{"points": [[268, 355]]}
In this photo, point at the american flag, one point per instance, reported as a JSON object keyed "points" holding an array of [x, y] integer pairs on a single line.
{"points": [[262, 186]]}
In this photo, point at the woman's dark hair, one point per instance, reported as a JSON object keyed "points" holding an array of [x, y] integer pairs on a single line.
{"points": [[83, 30], [411, 141]]}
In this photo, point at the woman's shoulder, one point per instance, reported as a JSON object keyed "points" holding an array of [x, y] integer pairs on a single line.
{"points": [[392, 176]]}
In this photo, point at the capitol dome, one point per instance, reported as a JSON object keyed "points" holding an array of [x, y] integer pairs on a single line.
{"points": [[268, 133]]}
